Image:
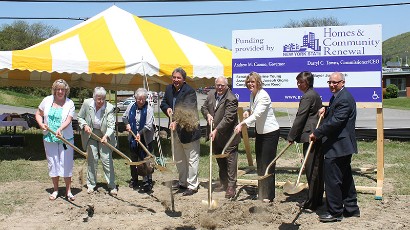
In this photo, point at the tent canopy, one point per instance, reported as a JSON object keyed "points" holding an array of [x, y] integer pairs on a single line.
{"points": [[117, 50]]}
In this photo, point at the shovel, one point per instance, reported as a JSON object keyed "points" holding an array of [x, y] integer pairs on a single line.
{"points": [[290, 188], [80, 172], [267, 181], [223, 154], [211, 203], [130, 162], [172, 146], [156, 165], [68, 143]]}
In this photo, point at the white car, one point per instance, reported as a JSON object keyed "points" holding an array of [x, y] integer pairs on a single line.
{"points": [[122, 105]]}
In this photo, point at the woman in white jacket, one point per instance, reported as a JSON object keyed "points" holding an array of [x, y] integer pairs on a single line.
{"points": [[56, 112], [267, 128]]}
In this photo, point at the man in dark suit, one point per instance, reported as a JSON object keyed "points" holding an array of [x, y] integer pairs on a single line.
{"points": [[338, 143], [181, 96], [304, 124], [221, 109]]}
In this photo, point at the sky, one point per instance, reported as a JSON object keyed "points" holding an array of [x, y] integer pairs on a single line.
{"points": [[217, 30]]}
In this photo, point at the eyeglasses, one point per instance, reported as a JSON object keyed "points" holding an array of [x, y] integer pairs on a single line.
{"points": [[220, 85], [334, 82]]}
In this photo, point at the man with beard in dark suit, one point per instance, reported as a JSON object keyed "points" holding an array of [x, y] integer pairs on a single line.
{"points": [[339, 144], [221, 109]]}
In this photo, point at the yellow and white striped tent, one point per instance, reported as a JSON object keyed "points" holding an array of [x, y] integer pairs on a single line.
{"points": [[117, 50]]}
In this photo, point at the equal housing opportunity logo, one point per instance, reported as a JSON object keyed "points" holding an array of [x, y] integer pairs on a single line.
{"points": [[310, 47]]}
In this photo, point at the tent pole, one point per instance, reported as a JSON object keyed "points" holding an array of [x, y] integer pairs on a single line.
{"points": [[116, 112]]}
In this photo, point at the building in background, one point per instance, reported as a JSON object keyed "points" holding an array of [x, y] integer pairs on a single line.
{"points": [[398, 74]]}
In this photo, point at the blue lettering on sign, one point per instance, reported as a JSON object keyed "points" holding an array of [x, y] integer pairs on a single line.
{"points": [[313, 64]]}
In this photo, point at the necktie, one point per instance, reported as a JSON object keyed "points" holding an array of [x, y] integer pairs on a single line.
{"points": [[331, 100], [218, 98]]}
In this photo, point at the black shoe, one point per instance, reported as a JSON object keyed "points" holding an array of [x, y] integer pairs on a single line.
{"points": [[306, 205], [178, 187], [327, 217], [146, 187], [353, 214], [301, 204], [189, 192], [133, 183]]}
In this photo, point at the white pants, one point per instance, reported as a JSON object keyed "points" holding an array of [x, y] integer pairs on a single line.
{"points": [[188, 154], [60, 160]]}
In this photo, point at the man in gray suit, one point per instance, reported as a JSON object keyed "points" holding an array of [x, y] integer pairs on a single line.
{"points": [[338, 143], [221, 109]]}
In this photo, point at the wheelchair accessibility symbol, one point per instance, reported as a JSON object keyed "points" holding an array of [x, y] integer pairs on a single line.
{"points": [[375, 96]]}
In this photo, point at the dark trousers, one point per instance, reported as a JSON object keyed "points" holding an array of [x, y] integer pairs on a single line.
{"points": [[265, 151], [228, 167], [340, 189], [314, 175], [138, 154]]}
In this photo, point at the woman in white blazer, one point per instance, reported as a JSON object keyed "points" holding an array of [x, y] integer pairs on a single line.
{"points": [[56, 112], [267, 128]]}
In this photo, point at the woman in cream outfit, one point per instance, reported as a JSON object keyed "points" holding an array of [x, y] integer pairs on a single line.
{"points": [[267, 128], [97, 116], [56, 112]]}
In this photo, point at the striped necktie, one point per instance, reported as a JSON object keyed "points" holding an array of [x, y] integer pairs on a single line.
{"points": [[218, 98]]}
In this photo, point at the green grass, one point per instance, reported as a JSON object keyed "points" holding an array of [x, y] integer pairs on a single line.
{"points": [[397, 103], [280, 114], [19, 99]]}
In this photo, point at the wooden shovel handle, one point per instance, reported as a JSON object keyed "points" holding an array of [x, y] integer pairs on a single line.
{"points": [[307, 154], [229, 142], [160, 167], [111, 147], [210, 171], [68, 143], [172, 139], [142, 146], [276, 158]]}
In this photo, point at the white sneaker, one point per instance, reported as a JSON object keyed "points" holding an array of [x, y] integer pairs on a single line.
{"points": [[90, 190], [114, 192]]}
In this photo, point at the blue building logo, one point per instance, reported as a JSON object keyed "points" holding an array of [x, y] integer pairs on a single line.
{"points": [[309, 44]]}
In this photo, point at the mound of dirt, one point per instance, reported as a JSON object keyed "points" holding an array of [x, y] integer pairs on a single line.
{"points": [[134, 210]]}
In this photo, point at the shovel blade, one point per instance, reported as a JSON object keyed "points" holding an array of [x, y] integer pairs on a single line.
{"points": [[214, 204], [292, 188]]}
